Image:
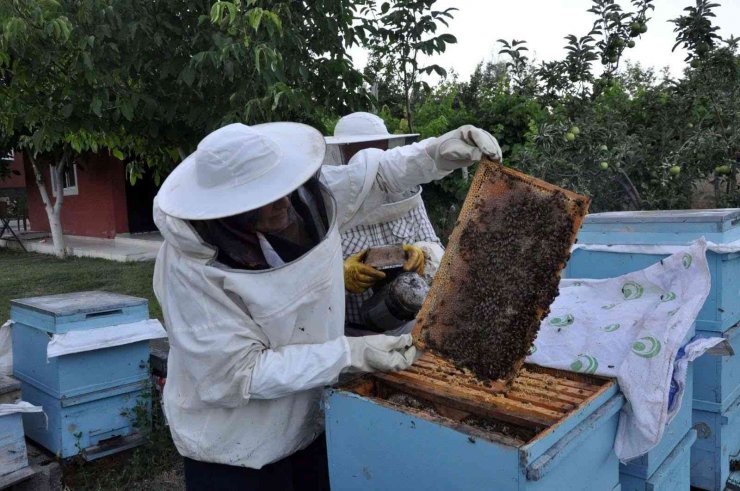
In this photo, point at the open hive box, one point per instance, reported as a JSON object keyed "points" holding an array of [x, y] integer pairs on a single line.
{"points": [[469, 413]]}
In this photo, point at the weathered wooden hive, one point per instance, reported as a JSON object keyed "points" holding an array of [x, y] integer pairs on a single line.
{"points": [[468, 414]]}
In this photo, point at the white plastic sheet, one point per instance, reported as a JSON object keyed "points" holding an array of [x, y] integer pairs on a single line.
{"points": [[19, 407], [104, 337], [630, 327], [6, 349], [727, 248]]}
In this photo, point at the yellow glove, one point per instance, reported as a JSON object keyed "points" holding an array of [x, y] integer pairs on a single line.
{"points": [[414, 259], [358, 276]]}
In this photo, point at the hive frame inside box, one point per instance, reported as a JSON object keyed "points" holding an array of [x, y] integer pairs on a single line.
{"points": [[552, 408], [484, 185]]}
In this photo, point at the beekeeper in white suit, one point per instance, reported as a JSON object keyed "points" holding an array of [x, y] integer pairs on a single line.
{"points": [[251, 284], [391, 218]]}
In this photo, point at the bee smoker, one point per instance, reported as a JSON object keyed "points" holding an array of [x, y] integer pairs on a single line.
{"points": [[395, 303]]}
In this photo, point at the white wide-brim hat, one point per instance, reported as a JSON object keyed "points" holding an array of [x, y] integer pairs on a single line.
{"points": [[239, 168], [362, 127]]}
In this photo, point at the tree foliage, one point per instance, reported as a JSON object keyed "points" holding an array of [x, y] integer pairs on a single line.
{"points": [[623, 134], [405, 31], [146, 79]]}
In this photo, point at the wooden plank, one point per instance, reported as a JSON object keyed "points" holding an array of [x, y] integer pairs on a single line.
{"points": [[475, 407], [560, 380], [551, 400], [7, 480], [545, 402], [564, 398], [579, 394], [477, 397], [495, 388]]}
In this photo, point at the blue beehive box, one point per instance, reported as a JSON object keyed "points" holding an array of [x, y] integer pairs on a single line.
{"points": [[672, 475], [718, 377], [675, 433], [717, 445], [376, 444], [722, 307], [97, 424], [717, 383], [12, 445], [90, 396]]}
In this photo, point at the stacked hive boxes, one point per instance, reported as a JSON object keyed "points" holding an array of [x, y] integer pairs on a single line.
{"points": [[93, 397], [716, 388]]}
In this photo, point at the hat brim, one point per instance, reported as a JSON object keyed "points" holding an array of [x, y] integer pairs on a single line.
{"points": [[301, 149], [344, 140]]}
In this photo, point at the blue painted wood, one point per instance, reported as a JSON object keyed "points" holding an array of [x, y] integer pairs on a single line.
{"points": [[718, 441], [12, 444], [577, 440], [554, 434], [373, 446], [720, 311], [721, 218], [78, 311], [672, 475], [644, 467], [717, 378], [92, 303], [72, 428], [78, 322], [661, 227], [38, 318], [77, 373]]}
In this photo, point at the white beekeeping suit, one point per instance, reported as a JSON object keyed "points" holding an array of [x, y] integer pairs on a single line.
{"points": [[251, 349], [390, 218]]}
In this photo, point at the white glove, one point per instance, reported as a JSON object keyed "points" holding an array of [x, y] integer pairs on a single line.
{"points": [[381, 353], [462, 147]]}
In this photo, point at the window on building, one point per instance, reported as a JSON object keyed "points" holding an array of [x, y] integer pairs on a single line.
{"points": [[69, 181]]}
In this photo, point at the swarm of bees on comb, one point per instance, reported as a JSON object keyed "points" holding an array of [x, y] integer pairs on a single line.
{"points": [[501, 271]]}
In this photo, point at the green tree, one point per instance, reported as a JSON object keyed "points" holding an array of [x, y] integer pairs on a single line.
{"points": [[406, 30], [146, 80]]}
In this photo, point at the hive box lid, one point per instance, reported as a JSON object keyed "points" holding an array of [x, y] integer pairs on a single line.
{"points": [[661, 226], [79, 310]]}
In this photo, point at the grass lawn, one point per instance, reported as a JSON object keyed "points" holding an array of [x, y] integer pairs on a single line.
{"points": [[30, 275], [153, 466]]}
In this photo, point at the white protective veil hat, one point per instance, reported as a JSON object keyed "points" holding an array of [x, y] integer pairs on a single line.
{"points": [[239, 168], [362, 127]]}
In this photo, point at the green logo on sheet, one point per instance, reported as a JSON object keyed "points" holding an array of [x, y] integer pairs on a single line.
{"points": [[563, 321], [632, 290], [646, 347], [686, 260], [667, 297], [612, 327], [532, 350], [584, 364]]}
